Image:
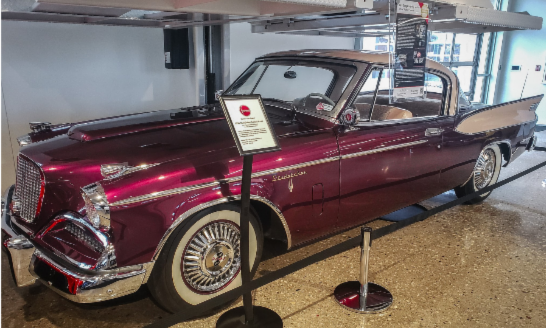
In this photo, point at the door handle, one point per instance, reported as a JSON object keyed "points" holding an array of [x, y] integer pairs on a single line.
{"points": [[433, 132]]}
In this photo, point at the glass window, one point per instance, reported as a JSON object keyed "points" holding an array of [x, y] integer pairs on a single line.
{"points": [[464, 103], [479, 89], [484, 54], [465, 47], [364, 100], [307, 80], [311, 86], [455, 51], [439, 46], [383, 110], [464, 73]]}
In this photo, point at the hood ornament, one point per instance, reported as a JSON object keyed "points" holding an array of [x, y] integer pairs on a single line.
{"points": [[39, 126]]}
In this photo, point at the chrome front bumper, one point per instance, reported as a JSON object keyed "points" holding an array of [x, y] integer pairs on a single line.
{"points": [[31, 264], [78, 285]]}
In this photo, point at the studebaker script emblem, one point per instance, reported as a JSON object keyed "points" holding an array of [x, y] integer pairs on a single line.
{"points": [[288, 176]]}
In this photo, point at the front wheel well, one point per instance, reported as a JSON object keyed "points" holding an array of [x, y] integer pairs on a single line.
{"points": [[272, 224]]}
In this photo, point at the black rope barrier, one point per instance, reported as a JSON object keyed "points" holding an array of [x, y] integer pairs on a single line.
{"points": [[217, 301]]}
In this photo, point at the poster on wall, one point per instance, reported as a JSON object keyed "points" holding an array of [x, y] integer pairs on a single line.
{"points": [[410, 50], [249, 124]]}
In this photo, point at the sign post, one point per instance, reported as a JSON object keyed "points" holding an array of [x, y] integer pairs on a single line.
{"points": [[253, 134]]}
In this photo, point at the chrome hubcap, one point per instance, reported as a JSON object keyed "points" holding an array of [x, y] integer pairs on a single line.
{"points": [[485, 169], [212, 257]]}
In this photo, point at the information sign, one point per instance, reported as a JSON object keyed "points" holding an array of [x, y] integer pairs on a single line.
{"points": [[411, 49], [249, 124]]}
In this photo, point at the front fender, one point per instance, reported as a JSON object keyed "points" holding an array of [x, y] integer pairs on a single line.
{"points": [[141, 228]]}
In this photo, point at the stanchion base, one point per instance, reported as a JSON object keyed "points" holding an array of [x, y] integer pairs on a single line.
{"points": [[348, 296], [263, 317]]}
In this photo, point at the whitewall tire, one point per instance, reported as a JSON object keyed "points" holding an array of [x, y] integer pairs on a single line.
{"points": [[486, 172], [201, 259]]}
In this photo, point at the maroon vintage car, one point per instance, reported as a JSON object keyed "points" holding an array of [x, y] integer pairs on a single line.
{"points": [[101, 207]]}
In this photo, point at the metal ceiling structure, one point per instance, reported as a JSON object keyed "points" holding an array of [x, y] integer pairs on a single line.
{"points": [[446, 16], [348, 18]]}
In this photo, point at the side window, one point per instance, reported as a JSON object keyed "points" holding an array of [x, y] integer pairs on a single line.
{"points": [[383, 110]]}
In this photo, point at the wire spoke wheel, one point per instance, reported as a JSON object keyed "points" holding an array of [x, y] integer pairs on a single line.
{"points": [[212, 258], [485, 169]]}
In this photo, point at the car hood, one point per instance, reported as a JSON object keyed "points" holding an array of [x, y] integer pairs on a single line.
{"points": [[165, 139]]}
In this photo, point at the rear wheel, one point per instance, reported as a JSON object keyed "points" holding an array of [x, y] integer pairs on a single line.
{"points": [[202, 258], [486, 172]]}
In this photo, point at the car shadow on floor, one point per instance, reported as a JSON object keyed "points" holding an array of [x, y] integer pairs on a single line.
{"points": [[37, 302]]}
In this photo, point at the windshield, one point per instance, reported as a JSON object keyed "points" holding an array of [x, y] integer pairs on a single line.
{"points": [[306, 85]]}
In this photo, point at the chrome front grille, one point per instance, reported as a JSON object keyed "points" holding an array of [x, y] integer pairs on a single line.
{"points": [[29, 189]]}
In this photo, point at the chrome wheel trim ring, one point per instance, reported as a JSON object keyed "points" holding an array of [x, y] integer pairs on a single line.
{"points": [[485, 169], [212, 257]]}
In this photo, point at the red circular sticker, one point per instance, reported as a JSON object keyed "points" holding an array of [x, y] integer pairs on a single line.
{"points": [[244, 110]]}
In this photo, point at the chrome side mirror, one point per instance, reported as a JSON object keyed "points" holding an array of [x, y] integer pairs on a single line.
{"points": [[350, 117], [218, 94]]}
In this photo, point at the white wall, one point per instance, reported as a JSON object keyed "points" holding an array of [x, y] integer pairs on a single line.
{"points": [[528, 49], [246, 46], [68, 73]]}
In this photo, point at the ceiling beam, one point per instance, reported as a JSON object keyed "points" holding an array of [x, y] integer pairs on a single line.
{"points": [[303, 25]]}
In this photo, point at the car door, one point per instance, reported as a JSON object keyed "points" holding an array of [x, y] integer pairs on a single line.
{"points": [[391, 158], [302, 179]]}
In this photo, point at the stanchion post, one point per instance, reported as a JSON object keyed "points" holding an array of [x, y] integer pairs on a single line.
{"points": [[362, 296], [245, 228], [365, 245]]}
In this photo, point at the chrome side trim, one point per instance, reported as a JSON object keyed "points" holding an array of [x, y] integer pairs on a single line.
{"points": [[224, 200], [182, 190], [294, 167], [379, 150], [169, 192], [397, 121]]}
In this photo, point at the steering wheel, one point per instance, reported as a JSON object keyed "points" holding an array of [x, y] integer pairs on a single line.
{"points": [[328, 100]]}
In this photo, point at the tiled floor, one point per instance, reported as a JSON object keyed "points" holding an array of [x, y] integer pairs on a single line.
{"points": [[471, 266]]}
